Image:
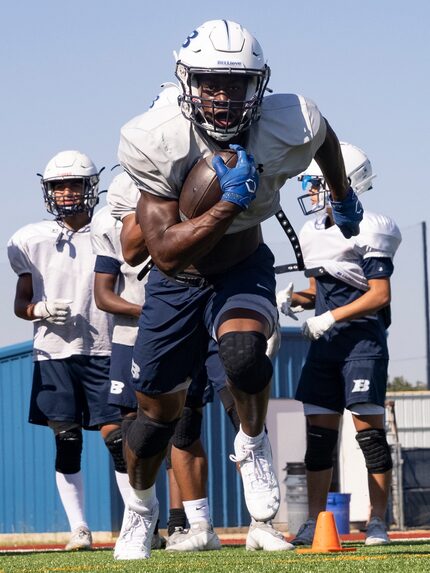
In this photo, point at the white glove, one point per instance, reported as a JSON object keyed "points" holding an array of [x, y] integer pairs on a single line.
{"points": [[283, 300], [57, 311], [313, 328]]}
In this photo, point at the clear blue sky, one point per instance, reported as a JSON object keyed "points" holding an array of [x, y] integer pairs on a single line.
{"points": [[74, 72]]}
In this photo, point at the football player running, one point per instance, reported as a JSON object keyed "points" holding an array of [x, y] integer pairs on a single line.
{"points": [[219, 255], [190, 462], [118, 291], [72, 338], [346, 366]]}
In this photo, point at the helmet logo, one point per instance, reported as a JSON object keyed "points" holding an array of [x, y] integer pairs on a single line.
{"points": [[188, 39]]}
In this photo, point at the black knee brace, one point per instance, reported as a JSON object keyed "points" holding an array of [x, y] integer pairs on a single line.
{"points": [[113, 443], [376, 451], [244, 357], [188, 428], [69, 450], [147, 437], [320, 446]]}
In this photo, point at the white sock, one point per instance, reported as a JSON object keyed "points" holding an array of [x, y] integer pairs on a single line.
{"points": [[197, 510], [243, 438], [142, 500], [71, 490], [123, 485]]}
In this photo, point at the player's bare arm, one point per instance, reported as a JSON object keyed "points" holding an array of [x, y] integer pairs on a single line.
{"points": [[23, 307], [132, 239], [346, 208], [175, 245], [329, 159], [377, 297], [108, 301], [305, 298]]}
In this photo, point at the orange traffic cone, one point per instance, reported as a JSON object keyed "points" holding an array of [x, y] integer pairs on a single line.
{"points": [[326, 538]]}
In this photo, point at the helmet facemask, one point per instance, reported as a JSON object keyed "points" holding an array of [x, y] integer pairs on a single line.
{"points": [[62, 207], [358, 170], [316, 194], [238, 115], [83, 178]]}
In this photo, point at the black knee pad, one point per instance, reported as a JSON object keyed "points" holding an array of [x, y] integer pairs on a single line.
{"points": [[147, 437], [320, 447], [125, 424], [188, 428], [69, 450], [376, 451], [244, 357], [113, 443]]}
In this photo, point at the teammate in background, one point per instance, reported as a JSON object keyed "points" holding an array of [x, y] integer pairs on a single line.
{"points": [[219, 255], [190, 461], [346, 366], [189, 457], [71, 345]]}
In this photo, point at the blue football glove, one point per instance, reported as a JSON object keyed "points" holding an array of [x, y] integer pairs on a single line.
{"points": [[347, 214], [239, 184]]}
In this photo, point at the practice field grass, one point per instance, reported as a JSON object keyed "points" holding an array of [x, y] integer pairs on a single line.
{"points": [[400, 556]]}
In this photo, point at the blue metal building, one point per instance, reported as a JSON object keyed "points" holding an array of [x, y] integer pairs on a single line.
{"points": [[29, 501]]}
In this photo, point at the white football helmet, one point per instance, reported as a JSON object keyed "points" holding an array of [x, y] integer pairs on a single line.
{"points": [[71, 165], [221, 47], [358, 170]]}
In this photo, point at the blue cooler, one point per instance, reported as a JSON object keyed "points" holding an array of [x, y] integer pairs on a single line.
{"points": [[338, 504]]}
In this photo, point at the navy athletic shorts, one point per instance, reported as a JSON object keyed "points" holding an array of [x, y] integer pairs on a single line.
{"points": [[121, 391], [73, 389], [338, 385], [176, 319], [210, 377]]}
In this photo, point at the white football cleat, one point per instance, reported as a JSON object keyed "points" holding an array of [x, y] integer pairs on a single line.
{"points": [[135, 538], [376, 533], [175, 537], [262, 535], [80, 540], [306, 532], [200, 537], [260, 485]]}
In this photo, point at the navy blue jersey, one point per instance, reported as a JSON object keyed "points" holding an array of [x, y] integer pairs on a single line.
{"points": [[355, 339]]}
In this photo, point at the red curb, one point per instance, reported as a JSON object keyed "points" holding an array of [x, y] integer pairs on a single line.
{"points": [[224, 540]]}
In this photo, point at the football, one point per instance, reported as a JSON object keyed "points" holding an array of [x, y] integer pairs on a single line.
{"points": [[201, 189]]}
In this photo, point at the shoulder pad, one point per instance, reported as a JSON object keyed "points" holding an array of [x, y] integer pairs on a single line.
{"points": [[379, 235]]}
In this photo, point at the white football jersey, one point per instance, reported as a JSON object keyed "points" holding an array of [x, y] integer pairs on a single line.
{"points": [[61, 264], [379, 237], [122, 196], [159, 148], [105, 240]]}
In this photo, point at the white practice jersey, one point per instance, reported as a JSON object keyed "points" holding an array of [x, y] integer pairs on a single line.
{"points": [[159, 148], [122, 196], [61, 264], [341, 258], [105, 240]]}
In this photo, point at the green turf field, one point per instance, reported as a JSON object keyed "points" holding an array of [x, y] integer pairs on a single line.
{"points": [[400, 556]]}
